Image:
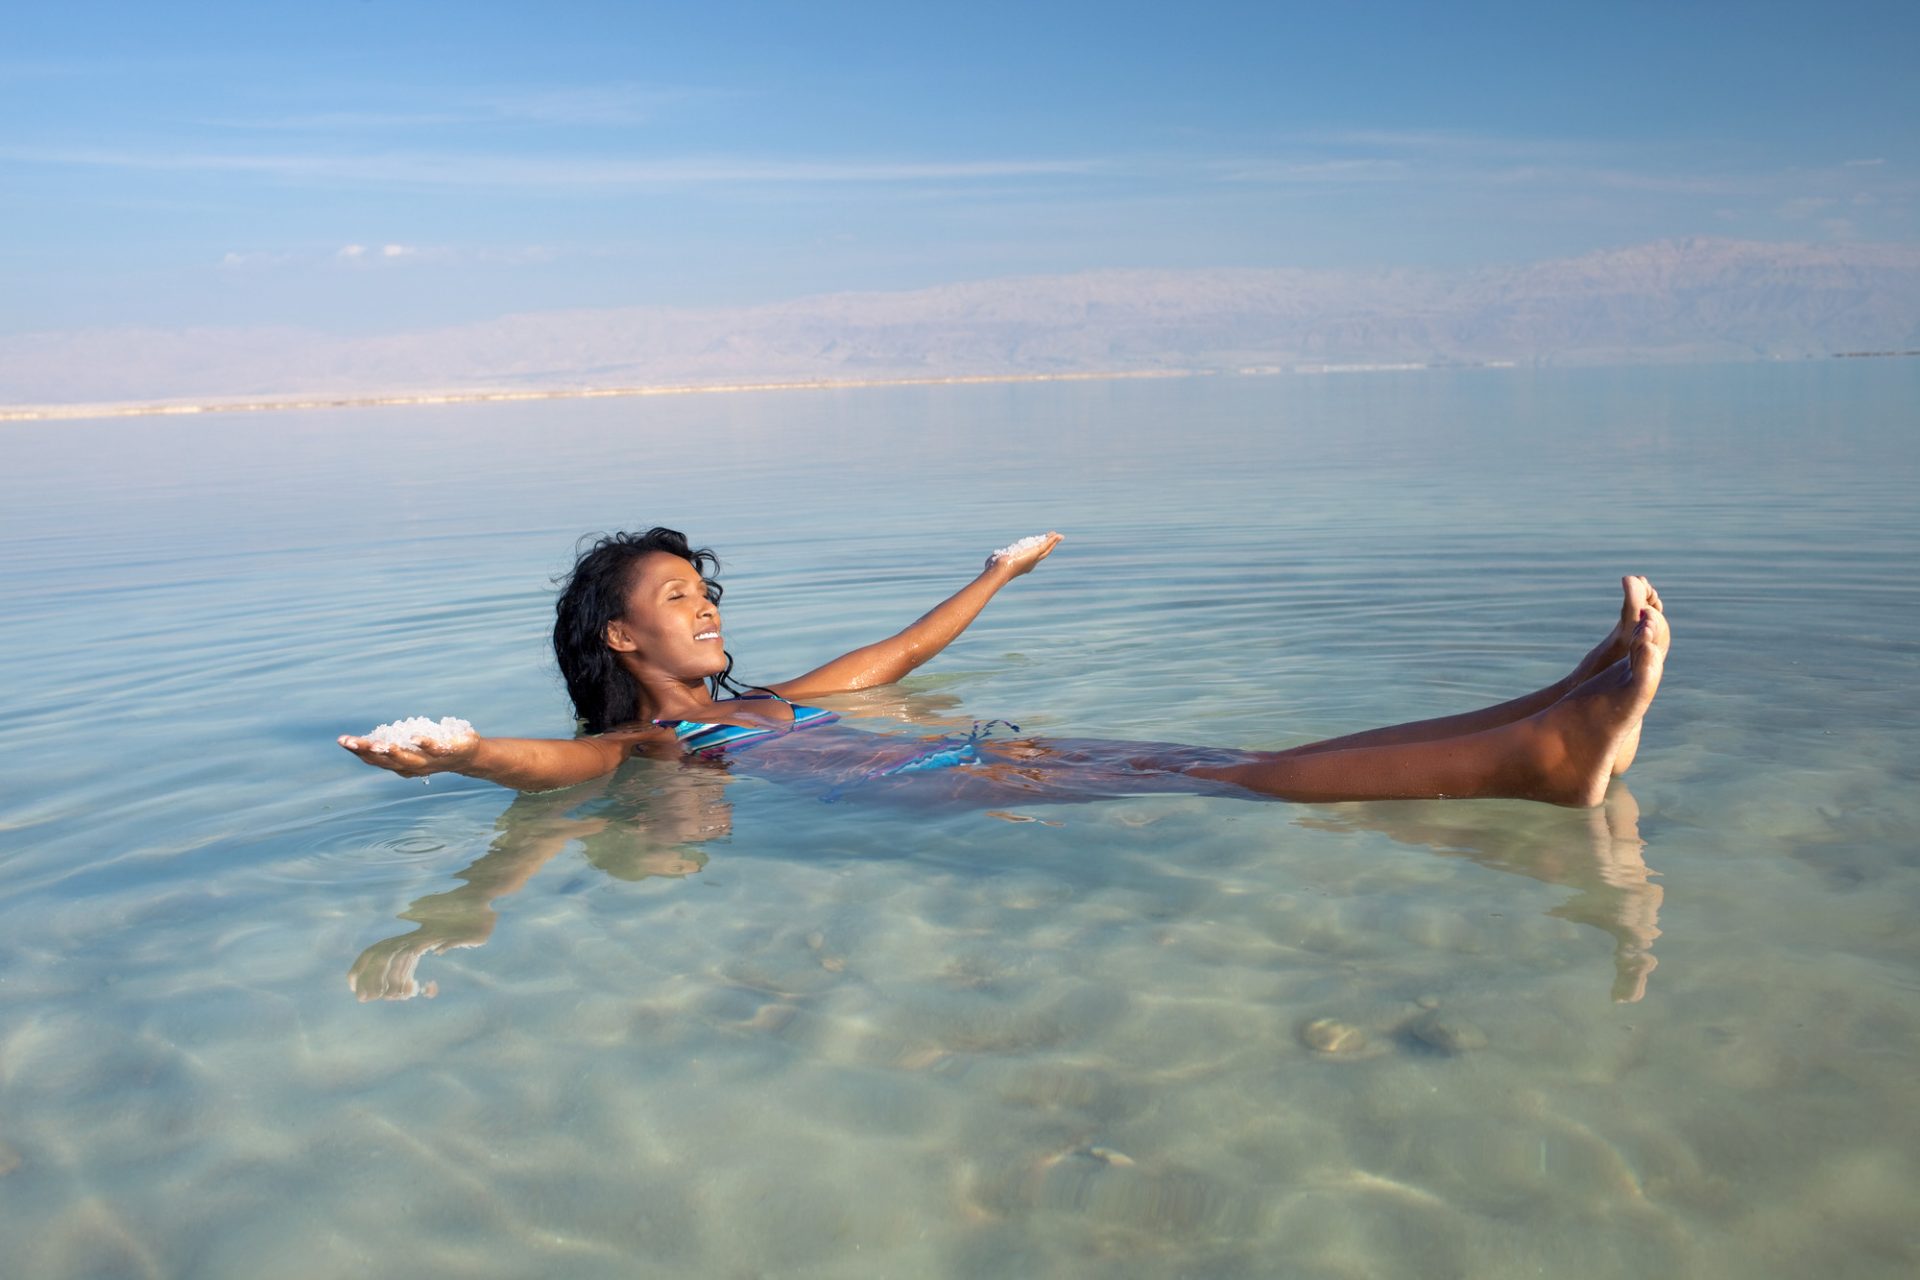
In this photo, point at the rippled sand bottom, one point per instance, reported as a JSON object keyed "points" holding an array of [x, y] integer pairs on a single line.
{"points": [[1299, 1044]]}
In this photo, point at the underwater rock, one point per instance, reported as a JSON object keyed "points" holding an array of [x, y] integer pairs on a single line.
{"points": [[1446, 1034], [1334, 1038], [1117, 1199]]}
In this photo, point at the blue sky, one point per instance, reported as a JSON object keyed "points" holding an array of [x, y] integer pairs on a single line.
{"points": [[371, 167]]}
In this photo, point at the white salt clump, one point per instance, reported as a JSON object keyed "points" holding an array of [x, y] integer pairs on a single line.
{"points": [[1014, 549], [418, 731]]}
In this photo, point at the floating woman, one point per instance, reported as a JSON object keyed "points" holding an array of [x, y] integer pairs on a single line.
{"points": [[639, 641]]}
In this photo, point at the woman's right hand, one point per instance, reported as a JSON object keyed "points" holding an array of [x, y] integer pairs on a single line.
{"points": [[420, 760], [1025, 558]]}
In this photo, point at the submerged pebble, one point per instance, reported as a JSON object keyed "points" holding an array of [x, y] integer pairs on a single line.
{"points": [[1333, 1037], [1447, 1034]]}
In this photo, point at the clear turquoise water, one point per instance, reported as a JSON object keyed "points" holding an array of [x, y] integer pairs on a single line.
{"points": [[723, 1029]]}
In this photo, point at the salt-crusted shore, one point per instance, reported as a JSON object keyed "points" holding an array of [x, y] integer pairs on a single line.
{"points": [[267, 404]]}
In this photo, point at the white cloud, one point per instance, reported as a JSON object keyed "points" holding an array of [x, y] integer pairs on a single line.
{"points": [[365, 256], [391, 251]]}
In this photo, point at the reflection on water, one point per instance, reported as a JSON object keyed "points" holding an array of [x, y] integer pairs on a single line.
{"points": [[659, 818], [1598, 853], [720, 1028], [650, 819]]}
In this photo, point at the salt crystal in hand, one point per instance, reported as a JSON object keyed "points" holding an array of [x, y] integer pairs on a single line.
{"points": [[1014, 549], [418, 731]]}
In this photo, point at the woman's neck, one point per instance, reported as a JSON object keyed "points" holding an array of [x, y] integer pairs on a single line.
{"points": [[667, 698]]}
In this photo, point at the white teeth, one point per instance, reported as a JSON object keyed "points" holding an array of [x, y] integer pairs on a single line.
{"points": [[708, 635]]}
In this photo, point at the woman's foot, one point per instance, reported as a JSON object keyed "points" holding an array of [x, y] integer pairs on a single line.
{"points": [[1579, 742], [1636, 593]]}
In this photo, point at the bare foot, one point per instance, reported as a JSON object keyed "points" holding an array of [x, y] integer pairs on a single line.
{"points": [[1629, 747], [1636, 593], [1583, 734], [1642, 590]]}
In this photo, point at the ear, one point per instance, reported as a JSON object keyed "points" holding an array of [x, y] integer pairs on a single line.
{"points": [[619, 638]]}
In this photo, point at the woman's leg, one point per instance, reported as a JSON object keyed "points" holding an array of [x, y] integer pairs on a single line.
{"points": [[1636, 594], [1563, 753]]}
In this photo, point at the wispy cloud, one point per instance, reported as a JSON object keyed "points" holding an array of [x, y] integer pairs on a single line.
{"points": [[442, 169], [1617, 179], [1283, 171], [1440, 142], [359, 255], [608, 105], [383, 253]]}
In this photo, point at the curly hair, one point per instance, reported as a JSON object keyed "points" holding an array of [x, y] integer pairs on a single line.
{"points": [[595, 593]]}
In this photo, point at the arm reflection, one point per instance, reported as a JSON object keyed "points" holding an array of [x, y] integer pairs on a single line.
{"points": [[647, 821], [1598, 853]]}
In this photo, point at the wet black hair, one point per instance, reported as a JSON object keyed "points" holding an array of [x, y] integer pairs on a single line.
{"points": [[593, 595]]}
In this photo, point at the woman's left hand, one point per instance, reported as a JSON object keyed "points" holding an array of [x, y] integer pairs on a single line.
{"points": [[887, 660], [1022, 561]]}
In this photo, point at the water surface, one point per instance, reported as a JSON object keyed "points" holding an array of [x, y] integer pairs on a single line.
{"points": [[715, 1027]]}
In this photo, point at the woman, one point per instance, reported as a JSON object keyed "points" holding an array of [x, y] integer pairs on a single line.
{"points": [[639, 641]]}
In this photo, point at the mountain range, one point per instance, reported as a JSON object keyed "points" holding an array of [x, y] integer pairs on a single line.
{"points": [[1670, 301]]}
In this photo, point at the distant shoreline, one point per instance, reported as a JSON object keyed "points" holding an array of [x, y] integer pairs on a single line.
{"points": [[273, 404], [505, 395]]}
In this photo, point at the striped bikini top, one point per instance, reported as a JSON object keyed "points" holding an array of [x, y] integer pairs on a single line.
{"points": [[703, 738]]}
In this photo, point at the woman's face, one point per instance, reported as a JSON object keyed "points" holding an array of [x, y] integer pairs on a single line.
{"points": [[670, 625]]}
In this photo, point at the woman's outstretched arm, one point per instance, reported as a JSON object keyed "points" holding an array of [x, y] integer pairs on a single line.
{"points": [[525, 764], [890, 659]]}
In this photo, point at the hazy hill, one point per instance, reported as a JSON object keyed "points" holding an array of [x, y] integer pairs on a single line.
{"points": [[1670, 301]]}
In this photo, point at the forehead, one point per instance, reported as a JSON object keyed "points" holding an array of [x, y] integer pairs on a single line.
{"points": [[657, 568]]}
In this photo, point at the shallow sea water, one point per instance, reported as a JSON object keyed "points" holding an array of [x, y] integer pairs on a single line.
{"points": [[717, 1027]]}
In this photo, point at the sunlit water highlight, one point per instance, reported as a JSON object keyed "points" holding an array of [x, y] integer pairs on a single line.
{"points": [[725, 1029]]}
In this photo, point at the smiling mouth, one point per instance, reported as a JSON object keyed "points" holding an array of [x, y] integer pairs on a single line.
{"points": [[708, 635]]}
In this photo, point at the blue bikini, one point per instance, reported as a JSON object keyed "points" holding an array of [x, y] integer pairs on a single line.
{"points": [[703, 738], [711, 739]]}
